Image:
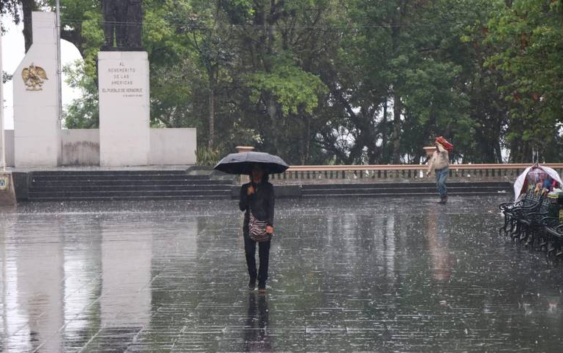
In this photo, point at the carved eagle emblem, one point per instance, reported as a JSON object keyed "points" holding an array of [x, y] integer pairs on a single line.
{"points": [[34, 77]]}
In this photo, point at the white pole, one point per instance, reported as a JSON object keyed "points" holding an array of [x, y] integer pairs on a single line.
{"points": [[2, 133], [59, 63]]}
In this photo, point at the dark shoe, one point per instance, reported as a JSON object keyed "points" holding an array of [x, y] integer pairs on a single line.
{"points": [[252, 284], [445, 199], [262, 288]]}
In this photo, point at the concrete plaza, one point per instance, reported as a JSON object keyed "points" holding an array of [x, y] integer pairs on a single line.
{"points": [[347, 275]]}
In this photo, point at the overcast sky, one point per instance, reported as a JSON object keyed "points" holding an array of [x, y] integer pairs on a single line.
{"points": [[13, 52]]}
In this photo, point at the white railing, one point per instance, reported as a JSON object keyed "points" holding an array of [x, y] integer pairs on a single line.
{"points": [[396, 173]]}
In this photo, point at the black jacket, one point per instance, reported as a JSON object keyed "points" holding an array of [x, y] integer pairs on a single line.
{"points": [[262, 202]]}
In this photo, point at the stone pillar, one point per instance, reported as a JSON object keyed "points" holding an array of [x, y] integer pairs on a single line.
{"points": [[242, 149], [429, 151], [124, 108], [7, 190], [36, 99]]}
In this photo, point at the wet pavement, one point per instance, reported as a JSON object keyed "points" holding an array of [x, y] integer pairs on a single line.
{"points": [[374, 275]]}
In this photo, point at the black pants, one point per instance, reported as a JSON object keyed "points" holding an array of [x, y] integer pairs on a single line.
{"points": [[263, 254]]}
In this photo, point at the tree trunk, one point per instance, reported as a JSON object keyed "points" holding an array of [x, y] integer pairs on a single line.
{"points": [[397, 110], [498, 152], [307, 141], [27, 6], [384, 138], [272, 113], [212, 73], [302, 149], [211, 117], [397, 104]]}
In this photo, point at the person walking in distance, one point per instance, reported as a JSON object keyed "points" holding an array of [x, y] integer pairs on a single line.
{"points": [[257, 200], [440, 165]]}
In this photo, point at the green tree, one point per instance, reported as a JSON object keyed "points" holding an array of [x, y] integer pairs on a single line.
{"points": [[12, 8], [334, 81], [528, 55], [83, 113], [397, 81], [280, 45]]}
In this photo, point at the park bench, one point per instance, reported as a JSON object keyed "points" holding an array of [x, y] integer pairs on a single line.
{"points": [[522, 217], [531, 223], [513, 211], [551, 236], [533, 220]]}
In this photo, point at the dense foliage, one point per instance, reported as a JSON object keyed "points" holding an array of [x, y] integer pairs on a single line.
{"points": [[344, 81]]}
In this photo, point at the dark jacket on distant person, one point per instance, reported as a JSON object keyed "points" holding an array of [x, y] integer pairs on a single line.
{"points": [[261, 202]]}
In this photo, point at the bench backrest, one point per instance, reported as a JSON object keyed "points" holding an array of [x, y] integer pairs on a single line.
{"points": [[545, 204]]}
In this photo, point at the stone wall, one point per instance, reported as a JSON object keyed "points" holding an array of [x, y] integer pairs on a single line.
{"points": [[9, 134], [173, 146], [81, 147]]}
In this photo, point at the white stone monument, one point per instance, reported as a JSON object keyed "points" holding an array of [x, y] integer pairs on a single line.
{"points": [[124, 108], [36, 99]]}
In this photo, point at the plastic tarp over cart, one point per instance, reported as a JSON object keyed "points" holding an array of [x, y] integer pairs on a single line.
{"points": [[521, 183]]}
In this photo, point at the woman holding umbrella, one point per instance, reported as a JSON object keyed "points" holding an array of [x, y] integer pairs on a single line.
{"points": [[257, 201]]}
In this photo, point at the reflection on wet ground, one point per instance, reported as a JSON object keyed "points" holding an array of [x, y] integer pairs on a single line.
{"points": [[346, 275]]}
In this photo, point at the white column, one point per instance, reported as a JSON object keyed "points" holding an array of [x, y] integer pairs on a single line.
{"points": [[59, 59], [36, 98], [2, 132], [7, 191], [124, 108]]}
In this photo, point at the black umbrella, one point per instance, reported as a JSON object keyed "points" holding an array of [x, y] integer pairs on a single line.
{"points": [[242, 163]]}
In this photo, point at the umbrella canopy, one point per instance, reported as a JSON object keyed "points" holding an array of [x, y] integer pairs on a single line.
{"points": [[242, 163], [533, 174]]}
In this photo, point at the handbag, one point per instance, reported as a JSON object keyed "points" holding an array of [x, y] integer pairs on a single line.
{"points": [[257, 229]]}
